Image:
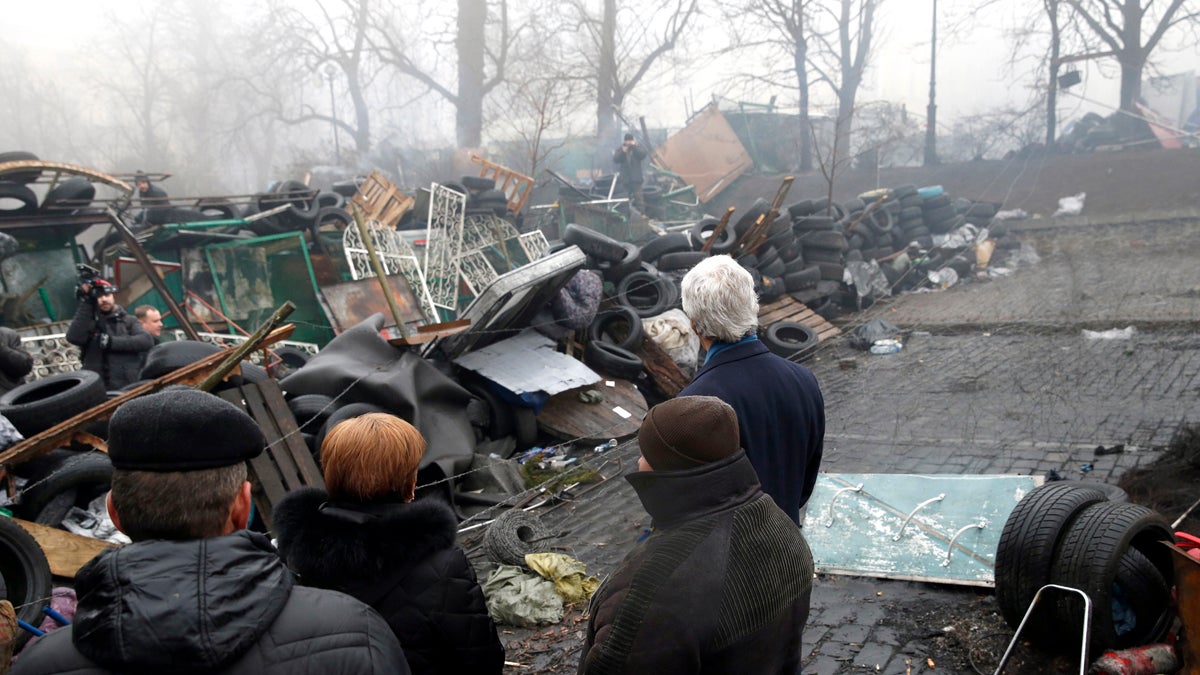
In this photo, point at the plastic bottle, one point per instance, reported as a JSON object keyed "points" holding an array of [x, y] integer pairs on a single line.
{"points": [[886, 346], [607, 445]]}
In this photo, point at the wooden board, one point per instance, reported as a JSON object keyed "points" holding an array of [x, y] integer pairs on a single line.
{"points": [[568, 418], [788, 309], [65, 551]]}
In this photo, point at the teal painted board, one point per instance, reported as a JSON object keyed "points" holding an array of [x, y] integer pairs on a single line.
{"points": [[858, 535]]}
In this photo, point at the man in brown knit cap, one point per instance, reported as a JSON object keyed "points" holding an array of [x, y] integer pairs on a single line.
{"points": [[722, 584]]}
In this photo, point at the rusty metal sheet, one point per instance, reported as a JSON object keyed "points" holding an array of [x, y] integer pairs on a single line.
{"points": [[706, 153], [353, 302]]}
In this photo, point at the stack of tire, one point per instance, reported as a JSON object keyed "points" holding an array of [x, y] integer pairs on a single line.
{"points": [[483, 197], [819, 230], [1083, 536], [18, 199]]}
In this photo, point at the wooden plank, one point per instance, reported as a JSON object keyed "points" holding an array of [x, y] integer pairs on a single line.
{"points": [[65, 551], [309, 474], [285, 464], [662, 368], [566, 417]]}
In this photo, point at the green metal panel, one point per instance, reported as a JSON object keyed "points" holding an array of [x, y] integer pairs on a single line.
{"points": [[52, 258], [858, 534]]}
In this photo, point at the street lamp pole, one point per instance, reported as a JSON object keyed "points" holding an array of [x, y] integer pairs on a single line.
{"points": [[931, 112], [330, 71]]}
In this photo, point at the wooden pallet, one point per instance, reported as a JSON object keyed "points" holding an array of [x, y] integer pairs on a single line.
{"points": [[515, 186], [380, 200], [286, 464], [788, 309]]}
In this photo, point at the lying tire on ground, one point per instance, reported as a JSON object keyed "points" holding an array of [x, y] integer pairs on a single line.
{"points": [[75, 481], [26, 575], [1088, 558], [620, 326], [680, 260], [36, 406], [609, 359], [790, 339], [667, 243], [1026, 550], [593, 243]]}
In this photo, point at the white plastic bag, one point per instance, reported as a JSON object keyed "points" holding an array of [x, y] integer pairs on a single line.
{"points": [[672, 330], [1070, 206]]}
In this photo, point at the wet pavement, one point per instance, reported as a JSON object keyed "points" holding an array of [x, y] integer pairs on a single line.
{"points": [[998, 378]]}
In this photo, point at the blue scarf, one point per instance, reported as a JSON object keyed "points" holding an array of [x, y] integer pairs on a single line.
{"points": [[718, 347]]}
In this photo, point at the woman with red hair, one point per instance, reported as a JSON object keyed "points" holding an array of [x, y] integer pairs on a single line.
{"points": [[365, 536]]}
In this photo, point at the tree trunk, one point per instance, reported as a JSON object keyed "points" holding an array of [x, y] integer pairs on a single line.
{"points": [[806, 139], [1052, 91], [472, 18], [1132, 64], [607, 71], [845, 121]]}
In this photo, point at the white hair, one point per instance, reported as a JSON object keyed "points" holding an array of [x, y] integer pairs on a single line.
{"points": [[719, 298]]}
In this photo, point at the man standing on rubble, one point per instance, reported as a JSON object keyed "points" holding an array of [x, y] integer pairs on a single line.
{"points": [[628, 159], [724, 582], [196, 591], [110, 341], [780, 410]]}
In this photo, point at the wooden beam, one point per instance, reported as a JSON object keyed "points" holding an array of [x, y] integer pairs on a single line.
{"points": [[65, 551]]}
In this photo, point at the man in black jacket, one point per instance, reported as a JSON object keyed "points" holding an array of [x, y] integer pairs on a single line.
{"points": [[15, 362], [110, 341], [628, 159], [196, 592], [723, 583]]}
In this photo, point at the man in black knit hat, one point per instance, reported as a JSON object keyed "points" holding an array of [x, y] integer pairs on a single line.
{"points": [[722, 584], [197, 592]]}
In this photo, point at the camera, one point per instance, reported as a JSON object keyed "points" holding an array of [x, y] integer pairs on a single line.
{"points": [[97, 286]]}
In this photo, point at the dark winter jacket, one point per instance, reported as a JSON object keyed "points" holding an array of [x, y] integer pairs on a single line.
{"points": [[15, 362], [220, 605], [402, 560], [128, 341], [629, 164], [781, 417], [722, 584]]}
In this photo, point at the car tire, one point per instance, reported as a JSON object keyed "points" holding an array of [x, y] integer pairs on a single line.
{"points": [[790, 339], [26, 574], [609, 359], [616, 317], [36, 406], [75, 481]]}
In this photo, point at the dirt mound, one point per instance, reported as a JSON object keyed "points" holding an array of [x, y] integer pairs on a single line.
{"points": [[1121, 183]]}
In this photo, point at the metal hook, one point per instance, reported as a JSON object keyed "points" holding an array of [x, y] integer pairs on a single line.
{"points": [[950, 549], [857, 488], [912, 513]]}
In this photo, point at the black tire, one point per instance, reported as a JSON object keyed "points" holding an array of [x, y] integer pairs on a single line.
{"points": [[478, 183], [330, 200], [985, 210], [937, 202], [794, 264], [647, 294], [629, 331], [36, 406], [776, 268], [1089, 557], [882, 220], [348, 411], [217, 208], [830, 271], [593, 243], [614, 271], [76, 481], [940, 214], [501, 416], [76, 192], [312, 411], [702, 230], [911, 213], [790, 339], [758, 209], [291, 359], [16, 199], [609, 359], [800, 209], [671, 242], [525, 427], [911, 200], [833, 241], [902, 191], [802, 279], [1026, 550], [167, 357], [22, 177], [332, 215], [854, 205], [1149, 595], [812, 223], [680, 260], [347, 188], [822, 255], [26, 574]]}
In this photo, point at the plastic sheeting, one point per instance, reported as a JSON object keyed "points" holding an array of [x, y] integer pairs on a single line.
{"points": [[515, 598], [570, 577], [359, 366]]}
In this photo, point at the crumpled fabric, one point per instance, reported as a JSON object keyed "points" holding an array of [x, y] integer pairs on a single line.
{"points": [[576, 303], [569, 575], [672, 330], [876, 329], [8, 433], [515, 598], [868, 279]]}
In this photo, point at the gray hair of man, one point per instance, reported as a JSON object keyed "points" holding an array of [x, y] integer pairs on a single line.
{"points": [[719, 298]]}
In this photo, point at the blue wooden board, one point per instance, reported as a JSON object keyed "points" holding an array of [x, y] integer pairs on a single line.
{"points": [[860, 540]]}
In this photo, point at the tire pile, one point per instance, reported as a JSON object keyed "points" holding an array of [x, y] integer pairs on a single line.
{"points": [[18, 199], [1075, 535]]}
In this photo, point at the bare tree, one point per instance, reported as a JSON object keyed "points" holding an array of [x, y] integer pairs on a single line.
{"points": [[627, 41], [781, 26], [844, 54], [1132, 30], [474, 49]]}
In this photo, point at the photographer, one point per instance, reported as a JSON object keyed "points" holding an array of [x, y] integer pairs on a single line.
{"points": [[628, 159], [110, 341]]}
